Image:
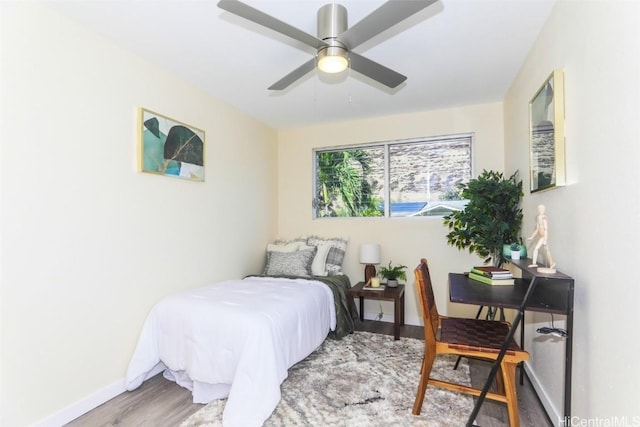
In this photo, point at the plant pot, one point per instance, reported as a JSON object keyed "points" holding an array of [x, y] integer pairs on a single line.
{"points": [[392, 283], [515, 254], [506, 251]]}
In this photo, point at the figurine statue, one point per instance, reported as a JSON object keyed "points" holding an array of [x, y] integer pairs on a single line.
{"points": [[542, 231]]}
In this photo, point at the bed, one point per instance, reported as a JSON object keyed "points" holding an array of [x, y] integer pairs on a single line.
{"points": [[237, 338]]}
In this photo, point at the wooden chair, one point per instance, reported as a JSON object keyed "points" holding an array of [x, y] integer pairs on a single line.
{"points": [[473, 338]]}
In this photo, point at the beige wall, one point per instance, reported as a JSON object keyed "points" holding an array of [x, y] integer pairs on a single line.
{"points": [[403, 240], [89, 244], [595, 218]]}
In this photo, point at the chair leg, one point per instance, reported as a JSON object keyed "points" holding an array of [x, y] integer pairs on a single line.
{"points": [[509, 379], [425, 371]]}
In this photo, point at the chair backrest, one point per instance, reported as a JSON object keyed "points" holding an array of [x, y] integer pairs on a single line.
{"points": [[427, 300]]}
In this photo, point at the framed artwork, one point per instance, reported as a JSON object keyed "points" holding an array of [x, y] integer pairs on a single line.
{"points": [[546, 138], [168, 147]]}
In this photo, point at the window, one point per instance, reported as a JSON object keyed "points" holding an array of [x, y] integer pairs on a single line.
{"points": [[417, 177]]}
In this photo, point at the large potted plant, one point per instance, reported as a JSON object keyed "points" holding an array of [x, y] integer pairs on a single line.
{"points": [[491, 218]]}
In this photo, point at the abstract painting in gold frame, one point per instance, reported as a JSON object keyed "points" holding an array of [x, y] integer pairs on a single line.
{"points": [[546, 134], [168, 147]]}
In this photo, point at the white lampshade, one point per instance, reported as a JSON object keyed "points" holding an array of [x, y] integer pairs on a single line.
{"points": [[370, 253]]}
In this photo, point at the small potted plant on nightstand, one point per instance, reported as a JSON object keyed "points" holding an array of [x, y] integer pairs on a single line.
{"points": [[392, 274]]}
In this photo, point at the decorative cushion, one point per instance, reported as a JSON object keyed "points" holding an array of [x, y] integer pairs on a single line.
{"points": [[300, 240], [296, 263], [319, 264], [335, 257], [286, 247], [291, 246]]}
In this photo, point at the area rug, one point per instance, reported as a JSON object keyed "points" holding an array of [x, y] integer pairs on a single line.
{"points": [[365, 379]]}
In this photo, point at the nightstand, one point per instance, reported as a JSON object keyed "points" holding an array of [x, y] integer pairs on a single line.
{"points": [[393, 294]]}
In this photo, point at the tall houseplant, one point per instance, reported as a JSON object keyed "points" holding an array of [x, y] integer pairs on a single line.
{"points": [[491, 218]]}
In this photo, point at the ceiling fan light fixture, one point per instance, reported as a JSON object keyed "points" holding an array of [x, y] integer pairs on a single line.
{"points": [[333, 59]]}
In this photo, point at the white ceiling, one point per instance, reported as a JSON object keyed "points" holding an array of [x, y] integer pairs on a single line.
{"points": [[454, 52]]}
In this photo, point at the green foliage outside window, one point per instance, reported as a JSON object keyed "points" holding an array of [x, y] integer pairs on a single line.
{"points": [[342, 187]]}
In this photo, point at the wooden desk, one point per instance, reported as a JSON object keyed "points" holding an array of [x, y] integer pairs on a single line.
{"points": [[394, 294], [550, 296], [548, 293]]}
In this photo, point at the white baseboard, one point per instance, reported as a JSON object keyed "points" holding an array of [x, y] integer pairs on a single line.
{"points": [[90, 402], [554, 415], [83, 406]]}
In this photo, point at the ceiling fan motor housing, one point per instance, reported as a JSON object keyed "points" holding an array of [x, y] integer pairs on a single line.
{"points": [[332, 21]]}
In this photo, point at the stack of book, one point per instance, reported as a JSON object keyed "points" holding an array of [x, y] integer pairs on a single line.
{"points": [[491, 275]]}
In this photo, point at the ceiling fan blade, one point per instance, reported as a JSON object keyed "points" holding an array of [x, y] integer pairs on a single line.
{"points": [[287, 80], [247, 12], [376, 71], [381, 19]]}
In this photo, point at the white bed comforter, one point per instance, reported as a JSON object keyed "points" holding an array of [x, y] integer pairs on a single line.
{"points": [[235, 339]]}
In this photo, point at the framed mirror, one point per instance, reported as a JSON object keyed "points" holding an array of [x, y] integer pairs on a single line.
{"points": [[546, 134]]}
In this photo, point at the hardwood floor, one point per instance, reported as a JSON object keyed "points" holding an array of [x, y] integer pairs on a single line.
{"points": [[159, 402]]}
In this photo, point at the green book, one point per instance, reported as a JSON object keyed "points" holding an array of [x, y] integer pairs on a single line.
{"points": [[491, 276], [489, 271], [490, 281]]}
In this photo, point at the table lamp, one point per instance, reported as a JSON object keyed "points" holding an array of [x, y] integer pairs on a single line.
{"points": [[369, 255]]}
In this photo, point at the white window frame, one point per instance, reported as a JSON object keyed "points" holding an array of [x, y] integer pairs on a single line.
{"points": [[387, 188]]}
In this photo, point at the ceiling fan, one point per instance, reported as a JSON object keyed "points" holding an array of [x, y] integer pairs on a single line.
{"points": [[335, 41]]}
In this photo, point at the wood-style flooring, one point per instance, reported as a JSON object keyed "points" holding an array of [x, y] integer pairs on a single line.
{"points": [[159, 402]]}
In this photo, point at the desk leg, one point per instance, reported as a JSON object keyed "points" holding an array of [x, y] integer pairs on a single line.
{"points": [[568, 354], [402, 310], [361, 308], [567, 378], [522, 347]]}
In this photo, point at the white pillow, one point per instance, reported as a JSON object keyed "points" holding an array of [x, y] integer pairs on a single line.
{"points": [[318, 266], [333, 264]]}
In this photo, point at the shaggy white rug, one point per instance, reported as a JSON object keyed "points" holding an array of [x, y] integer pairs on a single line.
{"points": [[365, 379]]}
